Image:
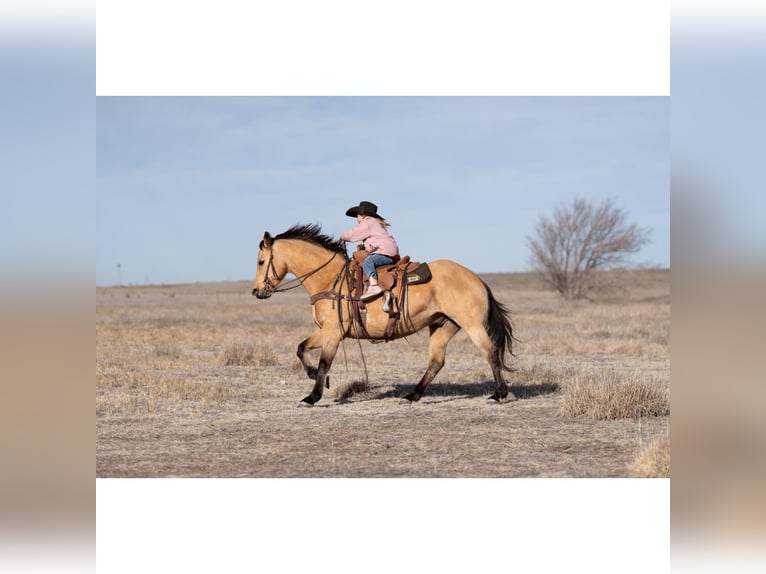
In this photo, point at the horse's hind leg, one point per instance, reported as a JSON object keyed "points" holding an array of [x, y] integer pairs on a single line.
{"points": [[502, 393], [483, 342], [441, 334]]}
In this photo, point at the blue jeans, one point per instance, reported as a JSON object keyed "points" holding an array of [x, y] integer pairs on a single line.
{"points": [[372, 261]]}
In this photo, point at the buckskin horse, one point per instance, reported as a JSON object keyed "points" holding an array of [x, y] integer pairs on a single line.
{"points": [[455, 298]]}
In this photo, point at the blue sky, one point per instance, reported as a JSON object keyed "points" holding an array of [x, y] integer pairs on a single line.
{"points": [[186, 186], [717, 150], [47, 156]]}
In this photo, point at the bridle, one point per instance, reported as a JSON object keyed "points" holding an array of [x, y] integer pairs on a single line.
{"points": [[271, 288]]}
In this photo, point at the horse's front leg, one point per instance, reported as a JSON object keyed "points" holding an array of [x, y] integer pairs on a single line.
{"points": [[329, 348], [314, 341]]}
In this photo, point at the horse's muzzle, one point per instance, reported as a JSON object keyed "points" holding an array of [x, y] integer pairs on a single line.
{"points": [[265, 294]]}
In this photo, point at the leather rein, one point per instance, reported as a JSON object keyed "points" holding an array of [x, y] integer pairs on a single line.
{"points": [[333, 294], [271, 288]]}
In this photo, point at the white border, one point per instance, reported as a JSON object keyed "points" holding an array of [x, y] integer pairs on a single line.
{"points": [[399, 47], [383, 525]]}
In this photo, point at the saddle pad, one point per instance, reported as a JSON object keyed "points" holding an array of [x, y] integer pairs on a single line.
{"points": [[421, 274], [416, 273]]}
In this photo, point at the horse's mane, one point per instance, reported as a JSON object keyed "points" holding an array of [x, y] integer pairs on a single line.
{"points": [[312, 233]]}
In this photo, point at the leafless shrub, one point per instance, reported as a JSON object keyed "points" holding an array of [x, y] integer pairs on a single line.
{"points": [[579, 240], [604, 396], [653, 461]]}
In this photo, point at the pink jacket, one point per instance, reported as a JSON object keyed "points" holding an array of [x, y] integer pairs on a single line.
{"points": [[376, 238]]}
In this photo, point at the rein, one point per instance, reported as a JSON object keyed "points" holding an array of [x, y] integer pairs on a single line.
{"points": [[337, 296], [334, 295], [293, 283]]}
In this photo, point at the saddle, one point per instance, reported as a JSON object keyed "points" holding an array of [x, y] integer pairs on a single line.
{"points": [[389, 275], [393, 280]]}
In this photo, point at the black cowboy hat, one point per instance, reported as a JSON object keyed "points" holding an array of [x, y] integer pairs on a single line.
{"points": [[364, 208]]}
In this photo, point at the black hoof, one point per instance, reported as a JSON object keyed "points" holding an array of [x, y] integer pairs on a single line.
{"points": [[503, 397], [412, 397]]}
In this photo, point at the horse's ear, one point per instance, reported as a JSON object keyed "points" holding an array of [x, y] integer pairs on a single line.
{"points": [[267, 240]]}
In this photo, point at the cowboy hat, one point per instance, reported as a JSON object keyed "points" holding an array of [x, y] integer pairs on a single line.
{"points": [[364, 208]]}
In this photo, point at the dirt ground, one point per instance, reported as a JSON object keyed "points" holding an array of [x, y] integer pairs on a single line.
{"points": [[202, 381]]}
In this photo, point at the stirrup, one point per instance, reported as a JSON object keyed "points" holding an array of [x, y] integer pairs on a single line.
{"points": [[387, 302]]}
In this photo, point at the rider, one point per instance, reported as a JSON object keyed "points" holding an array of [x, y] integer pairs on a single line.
{"points": [[378, 242]]}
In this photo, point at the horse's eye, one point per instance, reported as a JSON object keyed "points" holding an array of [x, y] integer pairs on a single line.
{"points": [[261, 262]]}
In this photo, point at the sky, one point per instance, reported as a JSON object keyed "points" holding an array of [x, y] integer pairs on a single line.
{"points": [[186, 186], [717, 150], [47, 154]]}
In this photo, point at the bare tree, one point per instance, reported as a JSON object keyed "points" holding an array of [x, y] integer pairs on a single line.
{"points": [[580, 239]]}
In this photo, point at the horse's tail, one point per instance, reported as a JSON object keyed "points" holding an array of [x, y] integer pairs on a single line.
{"points": [[499, 328]]}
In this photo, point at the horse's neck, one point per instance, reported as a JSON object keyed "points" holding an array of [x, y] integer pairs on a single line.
{"points": [[303, 258]]}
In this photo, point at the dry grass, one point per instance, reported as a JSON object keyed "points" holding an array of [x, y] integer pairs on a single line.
{"points": [[243, 353], [608, 395], [202, 380], [346, 390], [653, 461], [237, 353]]}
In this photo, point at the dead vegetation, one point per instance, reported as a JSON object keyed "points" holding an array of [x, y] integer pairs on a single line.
{"points": [[653, 461], [243, 353], [610, 394], [202, 380]]}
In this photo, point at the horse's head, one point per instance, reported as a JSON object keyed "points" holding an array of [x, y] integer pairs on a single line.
{"points": [[270, 270]]}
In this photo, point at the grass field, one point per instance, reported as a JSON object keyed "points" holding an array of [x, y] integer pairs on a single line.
{"points": [[202, 380]]}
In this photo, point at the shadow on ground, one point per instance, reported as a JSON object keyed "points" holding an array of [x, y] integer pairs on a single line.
{"points": [[469, 390], [531, 391]]}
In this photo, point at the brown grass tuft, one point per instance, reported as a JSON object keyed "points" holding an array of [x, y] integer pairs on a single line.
{"points": [[653, 461], [124, 403], [242, 354], [237, 354], [347, 390], [168, 350], [172, 388], [604, 396]]}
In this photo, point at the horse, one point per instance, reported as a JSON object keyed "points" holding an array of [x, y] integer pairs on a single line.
{"points": [[455, 298]]}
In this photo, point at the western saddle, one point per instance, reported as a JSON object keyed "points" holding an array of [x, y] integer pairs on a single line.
{"points": [[393, 280]]}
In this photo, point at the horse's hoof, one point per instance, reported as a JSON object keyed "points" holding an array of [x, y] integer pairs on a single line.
{"points": [[305, 404], [500, 400], [411, 398]]}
